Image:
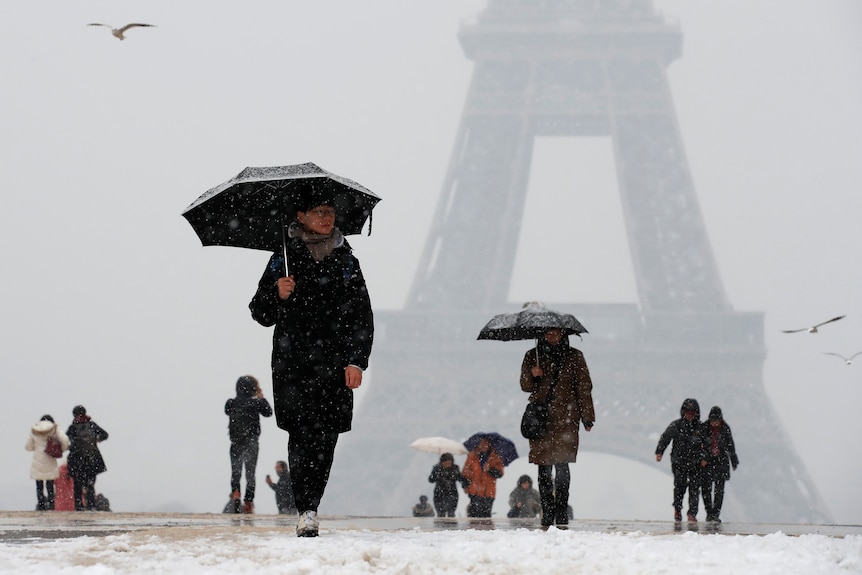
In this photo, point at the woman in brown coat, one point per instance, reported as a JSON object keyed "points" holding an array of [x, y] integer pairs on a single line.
{"points": [[555, 370]]}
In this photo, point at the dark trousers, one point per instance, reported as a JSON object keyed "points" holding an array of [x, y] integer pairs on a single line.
{"points": [[79, 485], [480, 506], [44, 503], [310, 453], [244, 454], [554, 493], [713, 495], [686, 477], [445, 506]]}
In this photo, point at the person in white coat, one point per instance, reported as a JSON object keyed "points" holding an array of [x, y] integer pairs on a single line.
{"points": [[44, 468]]}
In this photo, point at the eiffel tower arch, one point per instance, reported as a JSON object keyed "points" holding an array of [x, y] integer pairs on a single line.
{"points": [[570, 68]]}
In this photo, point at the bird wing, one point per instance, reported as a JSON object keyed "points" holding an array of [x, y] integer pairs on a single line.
{"points": [[97, 24], [793, 330], [831, 320], [839, 355], [136, 24], [855, 354]]}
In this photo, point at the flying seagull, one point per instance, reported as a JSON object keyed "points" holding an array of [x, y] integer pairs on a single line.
{"points": [[118, 32], [847, 360], [813, 328]]}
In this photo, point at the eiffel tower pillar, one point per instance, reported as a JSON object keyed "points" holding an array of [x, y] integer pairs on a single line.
{"points": [[568, 68]]}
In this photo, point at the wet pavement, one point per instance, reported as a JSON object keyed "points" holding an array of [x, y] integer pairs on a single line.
{"points": [[24, 527]]}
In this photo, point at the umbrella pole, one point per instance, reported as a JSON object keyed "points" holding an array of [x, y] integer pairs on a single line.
{"points": [[537, 353], [284, 244]]}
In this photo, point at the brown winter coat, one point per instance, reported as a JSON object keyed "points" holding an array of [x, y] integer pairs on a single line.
{"points": [[572, 403]]}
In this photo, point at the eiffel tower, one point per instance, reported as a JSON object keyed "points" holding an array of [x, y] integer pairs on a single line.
{"points": [[570, 68]]}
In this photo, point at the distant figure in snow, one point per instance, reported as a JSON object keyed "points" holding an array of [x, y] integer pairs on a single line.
{"points": [[118, 32], [44, 467], [445, 476], [687, 457], [720, 457], [284, 499], [423, 508], [244, 413], [85, 460]]}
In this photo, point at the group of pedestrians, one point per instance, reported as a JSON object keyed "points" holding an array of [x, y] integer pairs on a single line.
{"points": [[701, 458], [555, 375], [83, 464]]}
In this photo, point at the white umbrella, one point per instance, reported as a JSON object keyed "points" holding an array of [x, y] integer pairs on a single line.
{"points": [[439, 445]]}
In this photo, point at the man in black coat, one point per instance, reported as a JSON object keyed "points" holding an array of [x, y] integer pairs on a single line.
{"points": [[687, 457], [244, 413], [324, 329], [283, 488]]}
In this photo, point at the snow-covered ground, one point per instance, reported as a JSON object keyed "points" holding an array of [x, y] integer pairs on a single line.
{"points": [[240, 550]]}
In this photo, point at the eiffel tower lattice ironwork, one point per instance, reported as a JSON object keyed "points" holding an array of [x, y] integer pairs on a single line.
{"points": [[568, 68]]}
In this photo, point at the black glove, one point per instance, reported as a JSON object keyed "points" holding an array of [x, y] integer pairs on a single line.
{"points": [[495, 473], [588, 425]]}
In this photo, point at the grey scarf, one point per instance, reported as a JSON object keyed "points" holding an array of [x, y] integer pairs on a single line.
{"points": [[320, 246]]}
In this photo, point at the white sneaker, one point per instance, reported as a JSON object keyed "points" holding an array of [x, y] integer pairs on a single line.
{"points": [[308, 524]]}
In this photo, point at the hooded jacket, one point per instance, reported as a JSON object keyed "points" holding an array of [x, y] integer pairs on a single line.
{"points": [[687, 437], [719, 446], [245, 409], [44, 467]]}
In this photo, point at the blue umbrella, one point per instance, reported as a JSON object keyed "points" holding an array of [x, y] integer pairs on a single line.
{"points": [[504, 446]]}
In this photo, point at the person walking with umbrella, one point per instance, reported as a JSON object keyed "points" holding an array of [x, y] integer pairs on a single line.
{"points": [[556, 373], [484, 466], [324, 329]]}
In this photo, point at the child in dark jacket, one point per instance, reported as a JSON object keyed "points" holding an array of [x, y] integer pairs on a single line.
{"points": [[687, 457], [446, 475], [244, 413], [720, 456]]}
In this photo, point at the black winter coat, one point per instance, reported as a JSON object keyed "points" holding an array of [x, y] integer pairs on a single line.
{"points": [[85, 460], [325, 325], [446, 483], [718, 466], [244, 412], [687, 438]]}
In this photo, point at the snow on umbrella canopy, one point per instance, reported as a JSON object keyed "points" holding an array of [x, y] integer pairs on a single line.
{"points": [[251, 209], [532, 322]]}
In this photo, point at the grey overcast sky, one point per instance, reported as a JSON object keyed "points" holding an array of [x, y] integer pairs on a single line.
{"points": [[108, 299]]}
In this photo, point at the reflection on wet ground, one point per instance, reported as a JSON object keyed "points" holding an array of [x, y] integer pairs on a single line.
{"points": [[23, 527]]}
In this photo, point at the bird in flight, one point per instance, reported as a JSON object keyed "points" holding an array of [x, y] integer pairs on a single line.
{"points": [[847, 360], [813, 328], [118, 32]]}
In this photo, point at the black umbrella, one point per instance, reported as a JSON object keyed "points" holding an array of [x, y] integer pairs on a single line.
{"points": [[252, 209], [532, 322]]}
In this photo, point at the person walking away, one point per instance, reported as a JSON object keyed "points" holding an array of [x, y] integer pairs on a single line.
{"points": [[524, 500], [85, 461], [445, 476], [244, 413], [324, 329], [687, 457], [283, 489], [44, 467], [423, 508], [720, 456], [482, 469], [557, 373]]}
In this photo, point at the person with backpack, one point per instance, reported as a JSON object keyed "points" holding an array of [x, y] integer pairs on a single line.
{"points": [[244, 413], [85, 460], [44, 468]]}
